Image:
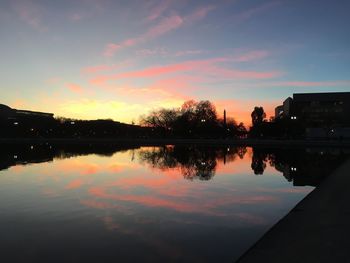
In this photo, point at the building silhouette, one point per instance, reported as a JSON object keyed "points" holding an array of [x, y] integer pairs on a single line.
{"points": [[323, 115], [8, 113]]}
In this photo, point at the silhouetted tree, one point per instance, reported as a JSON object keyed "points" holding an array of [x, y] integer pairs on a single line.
{"points": [[258, 115], [192, 119], [241, 130], [205, 111]]}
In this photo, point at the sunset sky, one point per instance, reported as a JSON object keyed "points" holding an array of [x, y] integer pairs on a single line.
{"points": [[119, 59]]}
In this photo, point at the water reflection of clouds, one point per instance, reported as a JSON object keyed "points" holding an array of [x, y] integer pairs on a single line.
{"points": [[122, 189]]}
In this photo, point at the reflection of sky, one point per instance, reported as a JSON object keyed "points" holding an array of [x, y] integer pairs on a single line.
{"points": [[157, 213], [118, 59]]}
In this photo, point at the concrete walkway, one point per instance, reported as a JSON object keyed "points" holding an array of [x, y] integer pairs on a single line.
{"points": [[316, 230]]}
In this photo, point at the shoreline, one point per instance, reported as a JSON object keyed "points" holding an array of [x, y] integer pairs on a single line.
{"points": [[170, 141], [315, 230]]}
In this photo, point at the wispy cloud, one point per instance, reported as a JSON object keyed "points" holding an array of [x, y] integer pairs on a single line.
{"points": [[252, 12], [251, 56], [199, 13], [164, 26], [30, 13], [158, 9]]}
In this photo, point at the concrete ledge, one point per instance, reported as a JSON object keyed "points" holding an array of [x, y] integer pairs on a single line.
{"points": [[316, 230]]}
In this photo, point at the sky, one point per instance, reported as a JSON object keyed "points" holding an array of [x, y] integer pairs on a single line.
{"points": [[120, 59]]}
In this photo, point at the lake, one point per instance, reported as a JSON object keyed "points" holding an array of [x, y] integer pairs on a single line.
{"points": [[104, 203]]}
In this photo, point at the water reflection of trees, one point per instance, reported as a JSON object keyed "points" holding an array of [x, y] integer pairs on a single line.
{"points": [[193, 162], [259, 159]]}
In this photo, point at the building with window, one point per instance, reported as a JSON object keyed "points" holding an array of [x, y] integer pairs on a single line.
{"points": [[322, 114]]}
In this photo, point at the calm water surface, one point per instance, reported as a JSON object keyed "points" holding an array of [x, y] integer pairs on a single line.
{"points": [[149, 204]]}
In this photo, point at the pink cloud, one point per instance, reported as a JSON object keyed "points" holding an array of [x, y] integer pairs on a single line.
{"points": [[199, 14], [251, 56], [207, 68], [74, 87], [99, 80], [159, 9], [110, 49], [245, 15], [167, 24]]}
